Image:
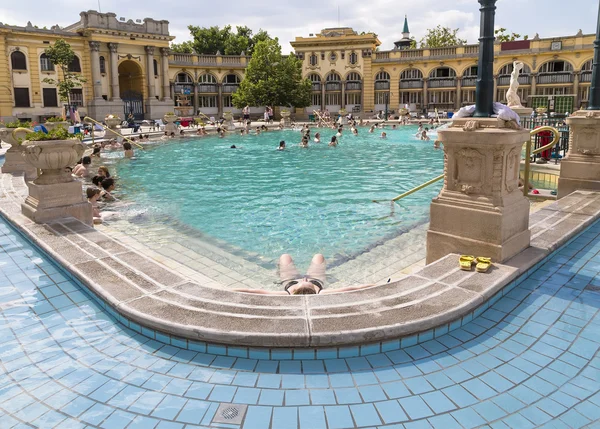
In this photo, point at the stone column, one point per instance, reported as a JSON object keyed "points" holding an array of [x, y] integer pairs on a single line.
{"points": [[343, 100], [220, 100], [581, 167], [114, 72], [425, 95], [533, 83], [96, 77], [576, 89], [164, 52], [480, 210], [495, 87], [195, 99], [150, 71], [323, 96], [458, 101]]}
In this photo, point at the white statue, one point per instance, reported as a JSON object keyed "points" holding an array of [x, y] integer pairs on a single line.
{"points": [[512, 97]]}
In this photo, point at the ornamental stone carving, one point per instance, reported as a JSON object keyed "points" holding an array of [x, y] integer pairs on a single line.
{"points": [[469, 171], [511, 175], [149, 50], [165, 52], [94, 46], [113, 47], [471, 126]]}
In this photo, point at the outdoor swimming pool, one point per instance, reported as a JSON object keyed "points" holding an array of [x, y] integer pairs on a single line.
{"points": [[263, 202]]}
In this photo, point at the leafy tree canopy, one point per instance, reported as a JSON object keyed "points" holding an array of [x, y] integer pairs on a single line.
{"points": [[273, 79], [441, 37], [210, 40], [502, 36], [62, 55]]}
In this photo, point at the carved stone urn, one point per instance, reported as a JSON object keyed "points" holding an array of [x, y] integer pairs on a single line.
{"points": [[52, 157], [55, 194], [13, 159], [285, 114], [112, 121], [169, 118]]}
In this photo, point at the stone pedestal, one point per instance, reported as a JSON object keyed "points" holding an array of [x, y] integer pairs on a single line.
{"points": [[480, 210], [54, 194], [156, 109], [581, 167], [169, 121], [285, 117], [49, 202], [523, 112]]}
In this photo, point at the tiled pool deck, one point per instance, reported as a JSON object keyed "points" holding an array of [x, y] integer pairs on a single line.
{"points": [[528, 361]]}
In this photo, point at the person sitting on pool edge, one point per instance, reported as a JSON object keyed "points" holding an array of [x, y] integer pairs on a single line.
{"points": [[296, 284]]}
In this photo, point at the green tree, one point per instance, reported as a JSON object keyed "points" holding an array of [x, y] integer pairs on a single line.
{"points": [[440, 37], [210, 40], [62, 55], [502, 36], [273, 79], [186, 47]]}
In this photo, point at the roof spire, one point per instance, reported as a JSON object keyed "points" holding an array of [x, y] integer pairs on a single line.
{"points": [[405, 29]]}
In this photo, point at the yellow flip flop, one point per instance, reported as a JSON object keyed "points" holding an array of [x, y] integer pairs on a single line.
{"points": [[465, 262], [483, 264]]}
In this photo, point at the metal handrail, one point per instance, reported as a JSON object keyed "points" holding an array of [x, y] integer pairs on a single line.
{"points": [[529, 152], [322, 120], [87, 118], [418, 188]]}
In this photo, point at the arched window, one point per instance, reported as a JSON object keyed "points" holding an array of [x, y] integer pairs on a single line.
{"points": [[313, 59], [411, 74], [586, 76], [411, 79], [382, 80], [353, 58], [231, 79], [382, 76], [207, 83], [334, 77], [184, 78], [102, 65], [18, 60], [442, 72], [587, 66], [316, 81], [75, 66], [470, 76], [45, 63], [556, 66], [471, 71], [155, 63], [507, 69], [353, 82], [207, 78]]}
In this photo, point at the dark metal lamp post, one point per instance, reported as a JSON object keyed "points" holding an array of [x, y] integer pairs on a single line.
{"points": [[484, 95], [594, 100]]}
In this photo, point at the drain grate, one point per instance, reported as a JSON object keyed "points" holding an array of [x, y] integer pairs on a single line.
{"points": [[230, 413]]}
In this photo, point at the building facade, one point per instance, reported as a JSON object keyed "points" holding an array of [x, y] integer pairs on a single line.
{"points": [[128, 68]]}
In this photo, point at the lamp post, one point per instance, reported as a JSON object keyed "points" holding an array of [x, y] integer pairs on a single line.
{"points": [[594, 100], [484, 95]]}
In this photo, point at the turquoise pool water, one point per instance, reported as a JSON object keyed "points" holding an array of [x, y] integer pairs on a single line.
{"points": [[300, 201]]}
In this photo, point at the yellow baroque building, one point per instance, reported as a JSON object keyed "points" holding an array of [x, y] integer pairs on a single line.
{"points": [[128, 68]]}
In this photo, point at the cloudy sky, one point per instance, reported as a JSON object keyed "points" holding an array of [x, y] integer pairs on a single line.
{"points": [[287, 20]]}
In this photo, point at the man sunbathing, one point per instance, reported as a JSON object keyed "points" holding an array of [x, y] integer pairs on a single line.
{"points": [[296, 284]]}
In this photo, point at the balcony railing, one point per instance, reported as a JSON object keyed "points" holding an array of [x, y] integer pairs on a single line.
{"points": [[471, 49], [382, 55], [411, 83], [333, 86], [353, 86], [230, 88], [413, 53], [442, 52], [442, 82], [382, 85], [586, 76], [316, 86], [504, 80], [195, 59], [233, 59], [182, 88], [469, 81], [207, 59], [557, 77], [208, 87]]}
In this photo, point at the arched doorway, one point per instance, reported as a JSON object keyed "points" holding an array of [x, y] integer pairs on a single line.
{"points": [[131, 82]]}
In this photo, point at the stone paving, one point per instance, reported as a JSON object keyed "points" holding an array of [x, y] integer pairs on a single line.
{"points": [[531, 360]]}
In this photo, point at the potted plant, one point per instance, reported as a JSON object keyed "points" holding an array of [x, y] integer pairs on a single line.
{"points": [[112, 121], [52, 152], [285, 113], [54, 122], [541, 110], [13, 160]]}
